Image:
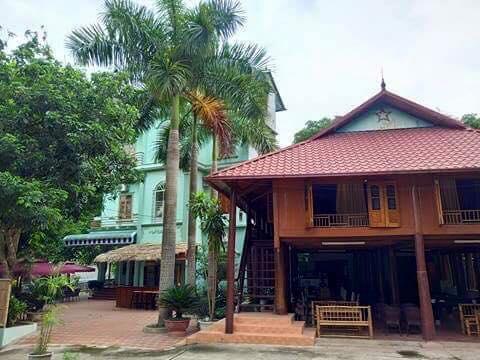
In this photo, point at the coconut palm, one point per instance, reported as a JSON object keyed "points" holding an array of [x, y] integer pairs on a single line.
{"points": [[161, 50]]}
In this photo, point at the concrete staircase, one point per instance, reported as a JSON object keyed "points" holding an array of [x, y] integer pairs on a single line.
{"points": [[258, 328]]}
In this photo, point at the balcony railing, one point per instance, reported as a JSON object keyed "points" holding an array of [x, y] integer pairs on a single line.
{"points": [[115, 221], [340, 220], [453, 217]]}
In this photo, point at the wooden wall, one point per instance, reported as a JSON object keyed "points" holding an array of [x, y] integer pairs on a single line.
{"points": [[290, 199]]}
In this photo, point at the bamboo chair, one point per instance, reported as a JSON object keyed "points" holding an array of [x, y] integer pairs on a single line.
{"points": [[468, 319]]}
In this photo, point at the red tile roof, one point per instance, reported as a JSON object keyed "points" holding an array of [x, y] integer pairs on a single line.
{"points": [[431, 149]]}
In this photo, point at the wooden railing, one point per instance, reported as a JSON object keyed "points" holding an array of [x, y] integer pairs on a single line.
{"points": [[461, 217], [340, 220]]}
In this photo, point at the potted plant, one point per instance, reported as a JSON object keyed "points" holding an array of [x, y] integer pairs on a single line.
{"points": [[49, 320], [179, 300]]}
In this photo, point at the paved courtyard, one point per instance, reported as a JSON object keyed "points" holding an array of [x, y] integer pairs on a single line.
{"points": [[100, 323]]}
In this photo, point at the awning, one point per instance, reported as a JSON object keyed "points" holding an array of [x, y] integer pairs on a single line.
{"points": [[139, 252], [102, 238]]}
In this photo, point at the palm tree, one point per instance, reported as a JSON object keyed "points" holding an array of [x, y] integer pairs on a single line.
{"points": [[161, 50]]}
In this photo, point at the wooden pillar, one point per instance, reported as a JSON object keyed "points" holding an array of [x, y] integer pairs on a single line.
{"points": [[231, 264], [426, 313], [279, 258]]}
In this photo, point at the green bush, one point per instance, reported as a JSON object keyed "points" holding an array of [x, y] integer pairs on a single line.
{"points": [[16, 309], [180, 299]]}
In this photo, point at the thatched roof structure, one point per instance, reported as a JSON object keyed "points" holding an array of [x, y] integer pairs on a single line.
{"points": [[136, 252]]}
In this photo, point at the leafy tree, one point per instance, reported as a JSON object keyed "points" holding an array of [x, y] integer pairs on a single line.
{"points": [[472, 120], [174, 52], [62, 144], [311, 128]]}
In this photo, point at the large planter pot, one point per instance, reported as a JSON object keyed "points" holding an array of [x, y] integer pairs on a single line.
{"points": [[203, 324], [45, 356], [177, 327]]}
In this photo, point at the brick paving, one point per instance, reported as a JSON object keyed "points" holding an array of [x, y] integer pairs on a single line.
{"points": [[100, 323]]}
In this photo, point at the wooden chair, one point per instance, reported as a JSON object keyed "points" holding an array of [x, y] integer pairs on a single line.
{"points": [[347, 317], [412, 318], [468, 319], [473, 324], [328, 303], [392, 316]]}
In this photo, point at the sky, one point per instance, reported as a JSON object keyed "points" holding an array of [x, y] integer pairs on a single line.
{"points": [[327, 56]]}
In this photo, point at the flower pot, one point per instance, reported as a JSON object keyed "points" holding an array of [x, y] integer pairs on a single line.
{"points": [[46, 356], [203, 324], [177, 327]]}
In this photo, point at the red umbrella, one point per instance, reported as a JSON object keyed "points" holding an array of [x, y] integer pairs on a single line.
{"points": [[43, 268]]}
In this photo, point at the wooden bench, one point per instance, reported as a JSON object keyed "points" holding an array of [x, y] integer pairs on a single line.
{"points": [[468, 319], [347, 317], [328, 303]]}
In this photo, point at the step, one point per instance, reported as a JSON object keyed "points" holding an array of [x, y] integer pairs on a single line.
{"points": [[306, 339], [259, 318], [295, 328]]}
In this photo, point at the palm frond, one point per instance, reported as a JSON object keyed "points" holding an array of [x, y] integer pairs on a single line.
{"points": [[255, 133], [173, 14], [128, 37], [213, 117], [227, 16], [168, 77]]}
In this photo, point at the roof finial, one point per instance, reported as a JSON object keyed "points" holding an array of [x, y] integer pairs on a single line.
{"points": [[382, 84]]}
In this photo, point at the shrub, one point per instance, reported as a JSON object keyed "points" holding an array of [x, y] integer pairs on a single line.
{"points": [[34, 303], [16, 309], [49, 320], [180, 299]]}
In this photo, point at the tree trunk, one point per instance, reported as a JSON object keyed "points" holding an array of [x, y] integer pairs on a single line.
{"points": [[192, 223], [8, 249], [167, 263], [212, 255]]}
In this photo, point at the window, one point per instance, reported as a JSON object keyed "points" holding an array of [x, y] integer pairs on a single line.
{"points": [[391, 197], [375, 197], [125, 207], [383, 209], [159, 201]]}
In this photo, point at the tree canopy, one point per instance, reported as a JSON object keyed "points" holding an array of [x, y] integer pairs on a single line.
{"points": [[472, 120], [311, 128], [63, 140]]}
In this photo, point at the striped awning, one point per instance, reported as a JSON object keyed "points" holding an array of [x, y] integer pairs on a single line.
{"points": [[101, 238]]}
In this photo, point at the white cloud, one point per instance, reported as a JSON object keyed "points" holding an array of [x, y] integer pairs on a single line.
{"points": [[328, 55]]}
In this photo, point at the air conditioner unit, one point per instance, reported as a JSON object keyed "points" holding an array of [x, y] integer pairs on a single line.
{"points": [[123, 188]]}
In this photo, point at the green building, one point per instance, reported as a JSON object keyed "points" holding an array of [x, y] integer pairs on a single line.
{"points": [[133, 217]]}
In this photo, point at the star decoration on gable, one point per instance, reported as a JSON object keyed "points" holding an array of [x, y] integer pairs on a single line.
{"points": [[383, 115]]}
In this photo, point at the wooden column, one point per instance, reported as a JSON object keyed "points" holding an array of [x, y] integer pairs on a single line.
{"points": [[426, 313], [279, 255], [232, 228]]}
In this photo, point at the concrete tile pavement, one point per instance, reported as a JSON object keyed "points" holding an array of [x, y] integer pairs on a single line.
{"points": [[100, 323]]}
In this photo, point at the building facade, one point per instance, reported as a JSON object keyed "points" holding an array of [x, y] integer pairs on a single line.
{"points": [[382, 208]]}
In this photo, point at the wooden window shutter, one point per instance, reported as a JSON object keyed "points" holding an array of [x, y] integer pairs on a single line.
{"points": [[392, 206], [438, 201], [125, 206], [308, 205], [376, 205]]}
